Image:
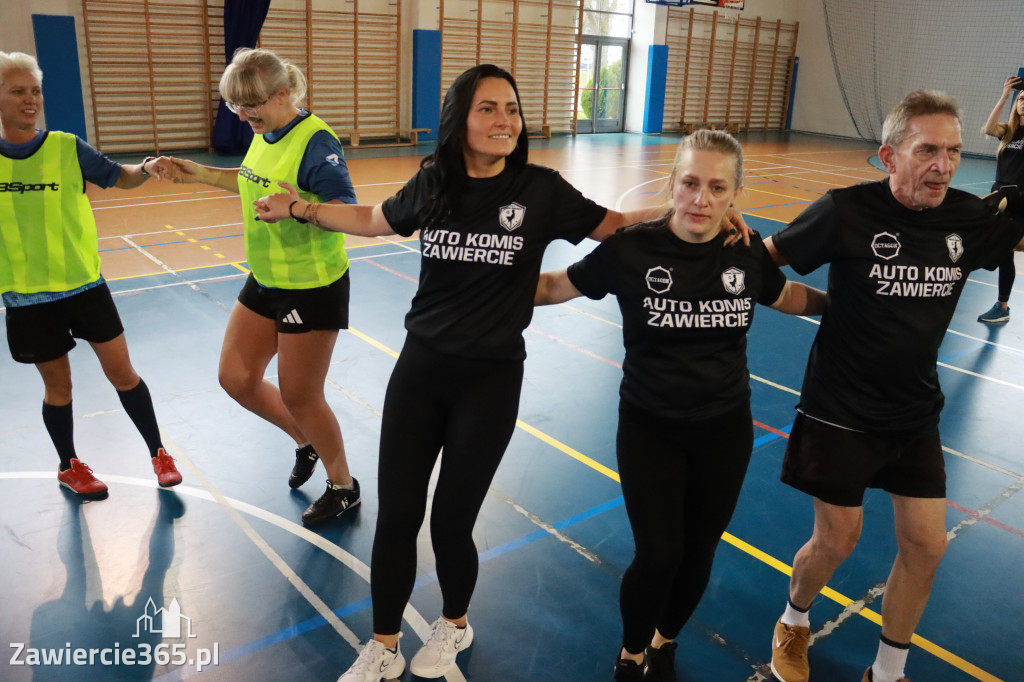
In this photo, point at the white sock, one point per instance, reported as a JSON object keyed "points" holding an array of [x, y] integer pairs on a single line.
{"points": [[349, 486], [889, 662], [794, 616]]}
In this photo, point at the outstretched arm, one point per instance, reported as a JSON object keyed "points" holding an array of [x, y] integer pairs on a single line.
{"points": [[992, 126], [733, 225], [613, 220], [355, 219], [190, 171], [554, 287], [799, 299], [133, 175], [779, 259]]}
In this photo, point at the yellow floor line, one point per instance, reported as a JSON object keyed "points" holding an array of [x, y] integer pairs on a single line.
{"points": [[742, 545]]}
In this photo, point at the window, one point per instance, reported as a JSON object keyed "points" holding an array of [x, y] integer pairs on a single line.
{"points": [[612, 18]]}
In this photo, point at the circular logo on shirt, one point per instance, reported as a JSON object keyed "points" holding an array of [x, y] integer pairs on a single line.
{"points": [[659, 280], [885, 245]]}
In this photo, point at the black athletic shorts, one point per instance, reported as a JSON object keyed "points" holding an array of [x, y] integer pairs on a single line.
{"points": [[46, 331], [299, 310], [836, 465]]}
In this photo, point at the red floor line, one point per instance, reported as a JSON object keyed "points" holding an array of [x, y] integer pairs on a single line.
{"points": [[950, 503], [393, 272], [986, 519], [771, 429], [575, 347]]}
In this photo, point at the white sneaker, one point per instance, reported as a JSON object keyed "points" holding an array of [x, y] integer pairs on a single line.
{"points": [[375, 663], [437, 656]]}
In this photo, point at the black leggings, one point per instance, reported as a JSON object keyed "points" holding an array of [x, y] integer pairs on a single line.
{"points": [[680, 481], [1007, 269], [467, 408]]}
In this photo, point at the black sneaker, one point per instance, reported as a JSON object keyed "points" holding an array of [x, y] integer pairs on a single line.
{"points": [[661, 663], [305, 463], [628, 671], [334, 502]]}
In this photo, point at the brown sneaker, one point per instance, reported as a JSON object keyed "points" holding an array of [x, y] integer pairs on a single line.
{"points": [[868, 677], [789, 652]]}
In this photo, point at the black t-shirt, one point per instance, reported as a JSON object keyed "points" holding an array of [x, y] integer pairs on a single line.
{"points": [[686, 309], [479, 269], [893, 284], [1010, 162]]}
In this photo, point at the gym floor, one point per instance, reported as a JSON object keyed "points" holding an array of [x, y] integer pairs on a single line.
{"points": [[259, 597]]}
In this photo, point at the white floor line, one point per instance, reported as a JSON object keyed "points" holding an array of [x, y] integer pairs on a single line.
{"points": [[1003, 346], [547, 527], [411, 616], [163, 266], [234, 508], [787, 389], [272, 556], [164, 203], [125, 201], [176, 229]]}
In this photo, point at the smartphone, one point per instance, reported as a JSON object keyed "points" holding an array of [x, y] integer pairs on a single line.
{"points": [[1019, 85]]}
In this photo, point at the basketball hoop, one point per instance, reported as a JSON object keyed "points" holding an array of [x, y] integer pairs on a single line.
{"points": [[724, 4]]}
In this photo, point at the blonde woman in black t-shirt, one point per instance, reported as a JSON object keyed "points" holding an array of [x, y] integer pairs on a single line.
{"points": [[685, 432], [485, 216], [1009, 171]]}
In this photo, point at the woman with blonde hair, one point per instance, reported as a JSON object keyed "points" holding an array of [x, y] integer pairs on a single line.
{"points": [[685, 432], [1009, 172], [50, 268], [296, 296]]}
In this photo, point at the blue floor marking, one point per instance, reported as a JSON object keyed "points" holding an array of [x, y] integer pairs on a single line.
{"points": [[305, 626], [967, 351], [174, 243], [769, 437], [791, 203], [590, 513]]}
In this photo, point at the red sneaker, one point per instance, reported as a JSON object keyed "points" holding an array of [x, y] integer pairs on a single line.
{"points": [[79, 478], [166, 473]]}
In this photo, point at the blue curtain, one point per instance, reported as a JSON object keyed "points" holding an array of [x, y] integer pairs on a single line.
{"points": [[243, 20]]}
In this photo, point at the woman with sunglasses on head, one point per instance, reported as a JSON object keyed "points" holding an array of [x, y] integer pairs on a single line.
{"points": [[485, 216], [685, 432], [296, 296]]}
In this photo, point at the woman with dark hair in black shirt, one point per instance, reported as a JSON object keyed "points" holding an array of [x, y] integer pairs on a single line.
{"points": [[685, 432], [485, 216]]}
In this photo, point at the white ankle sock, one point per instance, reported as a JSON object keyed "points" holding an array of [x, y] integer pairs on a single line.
{"points": [[794, 616], [889, 662]]}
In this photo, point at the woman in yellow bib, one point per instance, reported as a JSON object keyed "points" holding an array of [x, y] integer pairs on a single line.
{"points": [[296, 297], [50, 268]]}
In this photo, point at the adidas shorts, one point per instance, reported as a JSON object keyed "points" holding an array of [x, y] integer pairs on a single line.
{"points": [[299, 310], [46, 331], [836, 465]]}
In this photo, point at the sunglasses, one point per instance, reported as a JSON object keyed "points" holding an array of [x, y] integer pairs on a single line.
{"points": [[247, 109]]}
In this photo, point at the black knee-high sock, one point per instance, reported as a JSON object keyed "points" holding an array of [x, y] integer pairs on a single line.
{"points": [[60, 424], [139, 406]]}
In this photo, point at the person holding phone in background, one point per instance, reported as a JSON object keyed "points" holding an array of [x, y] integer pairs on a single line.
{"points": [[1009, 171]]}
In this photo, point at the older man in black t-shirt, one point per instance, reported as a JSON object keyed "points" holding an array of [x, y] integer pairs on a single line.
{"points": [[900, 251]]}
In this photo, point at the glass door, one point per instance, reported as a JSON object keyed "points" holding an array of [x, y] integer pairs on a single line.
{"points": [[601, 98]]}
